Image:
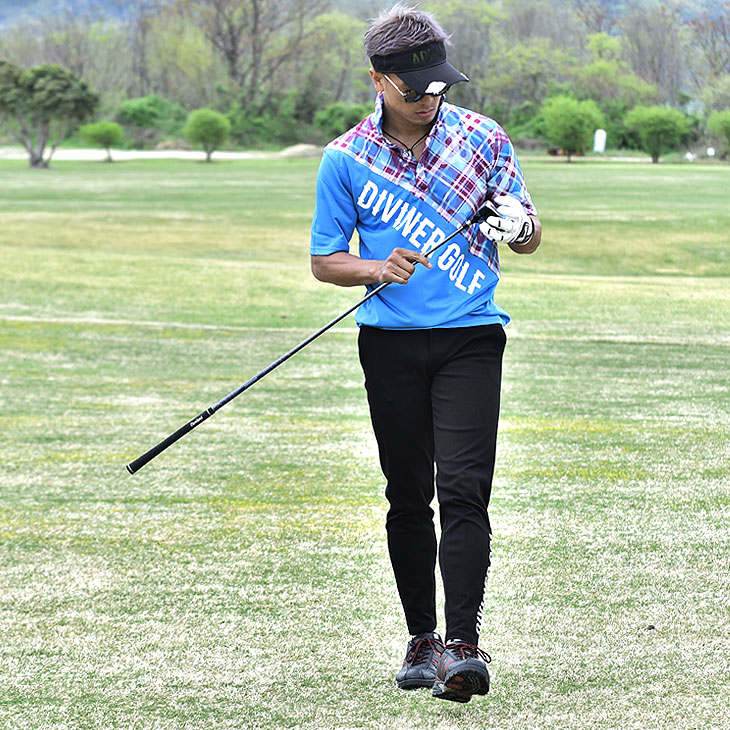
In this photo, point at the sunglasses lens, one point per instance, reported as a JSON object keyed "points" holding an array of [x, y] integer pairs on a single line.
{"points": [[412, 96]]}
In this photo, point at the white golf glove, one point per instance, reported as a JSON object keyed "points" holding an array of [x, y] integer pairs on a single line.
{"points": [[511, 225]]}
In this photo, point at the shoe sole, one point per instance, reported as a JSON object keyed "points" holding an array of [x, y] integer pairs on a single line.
{"points": [[416, 684], [461, 686]]}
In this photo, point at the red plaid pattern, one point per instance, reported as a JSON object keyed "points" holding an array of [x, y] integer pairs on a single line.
{"points": [[468, 160]]}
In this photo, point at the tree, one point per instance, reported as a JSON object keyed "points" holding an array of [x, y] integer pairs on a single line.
{"points": [[183, 65], [711, 36], [611, 83], [90, 46], [255, 39], [208, 128], [138, 16], [42, 106], [524, 48], [719, 124], [597, 15], [471, 25], [103, 134], [71, 41], [335, 59], [521, 72], [716, 94], [523, 21], [659, 128], [653, 43], [570, 123]]}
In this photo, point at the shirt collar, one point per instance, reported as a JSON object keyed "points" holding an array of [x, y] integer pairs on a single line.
{"points": [[378, 113], [378, 117]]}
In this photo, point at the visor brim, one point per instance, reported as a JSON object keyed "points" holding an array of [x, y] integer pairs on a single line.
{"points": [[423, 79]]}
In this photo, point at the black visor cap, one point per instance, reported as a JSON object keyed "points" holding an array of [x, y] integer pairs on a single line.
{"points": [[424, 68]]}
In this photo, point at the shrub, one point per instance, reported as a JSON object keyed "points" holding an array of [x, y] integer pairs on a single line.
{"points": [[151, 116], [570, 123], [207, 128], [103, 134], [274, 125], [337, 118], [659, 128]]}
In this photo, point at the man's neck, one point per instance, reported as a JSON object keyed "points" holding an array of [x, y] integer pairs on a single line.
{"points": [[402, 131]]}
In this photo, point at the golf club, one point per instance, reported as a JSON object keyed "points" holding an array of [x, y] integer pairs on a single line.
{"points": [[137, 464]]}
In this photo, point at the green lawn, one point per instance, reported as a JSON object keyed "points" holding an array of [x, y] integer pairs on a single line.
{"points": [[240, 580]]}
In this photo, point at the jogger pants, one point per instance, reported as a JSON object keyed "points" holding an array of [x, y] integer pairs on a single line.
{"points": [[434, 403]]}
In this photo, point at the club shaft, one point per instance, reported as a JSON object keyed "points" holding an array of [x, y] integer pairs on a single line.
{"points": [[255, 379], [156, 450]]}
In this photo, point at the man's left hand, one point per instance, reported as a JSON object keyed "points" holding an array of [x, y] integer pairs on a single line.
{"points": [[512, 225]]}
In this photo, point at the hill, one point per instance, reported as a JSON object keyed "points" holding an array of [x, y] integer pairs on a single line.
{"points": [[17, 11]]}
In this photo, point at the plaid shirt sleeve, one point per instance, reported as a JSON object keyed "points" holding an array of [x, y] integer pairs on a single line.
{"points": [[506, 176]]}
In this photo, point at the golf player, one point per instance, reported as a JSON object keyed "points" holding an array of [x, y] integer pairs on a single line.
{"points": [[405, 178]]}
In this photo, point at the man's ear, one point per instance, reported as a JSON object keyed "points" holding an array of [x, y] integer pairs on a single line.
{"points": [[378, 82]]}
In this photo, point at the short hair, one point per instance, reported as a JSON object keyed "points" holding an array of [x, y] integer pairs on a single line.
{"points": [[400, 29]]}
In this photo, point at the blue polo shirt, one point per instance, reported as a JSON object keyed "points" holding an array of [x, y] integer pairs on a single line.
{"points": [[368, 185]]}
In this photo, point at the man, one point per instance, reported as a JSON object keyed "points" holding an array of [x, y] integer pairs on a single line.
{"points": [[431, 345]]}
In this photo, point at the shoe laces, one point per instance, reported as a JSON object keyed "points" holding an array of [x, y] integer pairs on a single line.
{"points": [[465, 651], [420, 652]]}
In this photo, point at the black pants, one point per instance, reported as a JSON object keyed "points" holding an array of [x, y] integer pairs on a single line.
{"points": [[434, 399]]}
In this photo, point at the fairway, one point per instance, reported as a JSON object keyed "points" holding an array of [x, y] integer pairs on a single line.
{"points": [[241, 579]]}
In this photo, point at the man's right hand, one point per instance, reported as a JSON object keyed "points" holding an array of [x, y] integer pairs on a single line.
{"points": [[400, 265]]}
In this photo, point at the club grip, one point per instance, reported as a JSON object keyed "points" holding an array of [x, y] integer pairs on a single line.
{"points": [[138, 463]]}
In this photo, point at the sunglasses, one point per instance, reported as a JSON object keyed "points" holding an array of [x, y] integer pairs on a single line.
{"points": [[412, 96]]}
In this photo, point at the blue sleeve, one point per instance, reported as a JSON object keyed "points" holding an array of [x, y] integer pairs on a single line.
{"points": [[335, 213]]}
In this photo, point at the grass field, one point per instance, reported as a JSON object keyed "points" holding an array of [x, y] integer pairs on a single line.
{"points": [[240, 580]]}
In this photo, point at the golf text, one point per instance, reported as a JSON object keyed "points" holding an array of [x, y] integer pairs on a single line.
{"points": [[421, 233]]}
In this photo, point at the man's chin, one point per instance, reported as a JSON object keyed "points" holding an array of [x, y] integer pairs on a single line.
{"points": [[425, 117]]}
